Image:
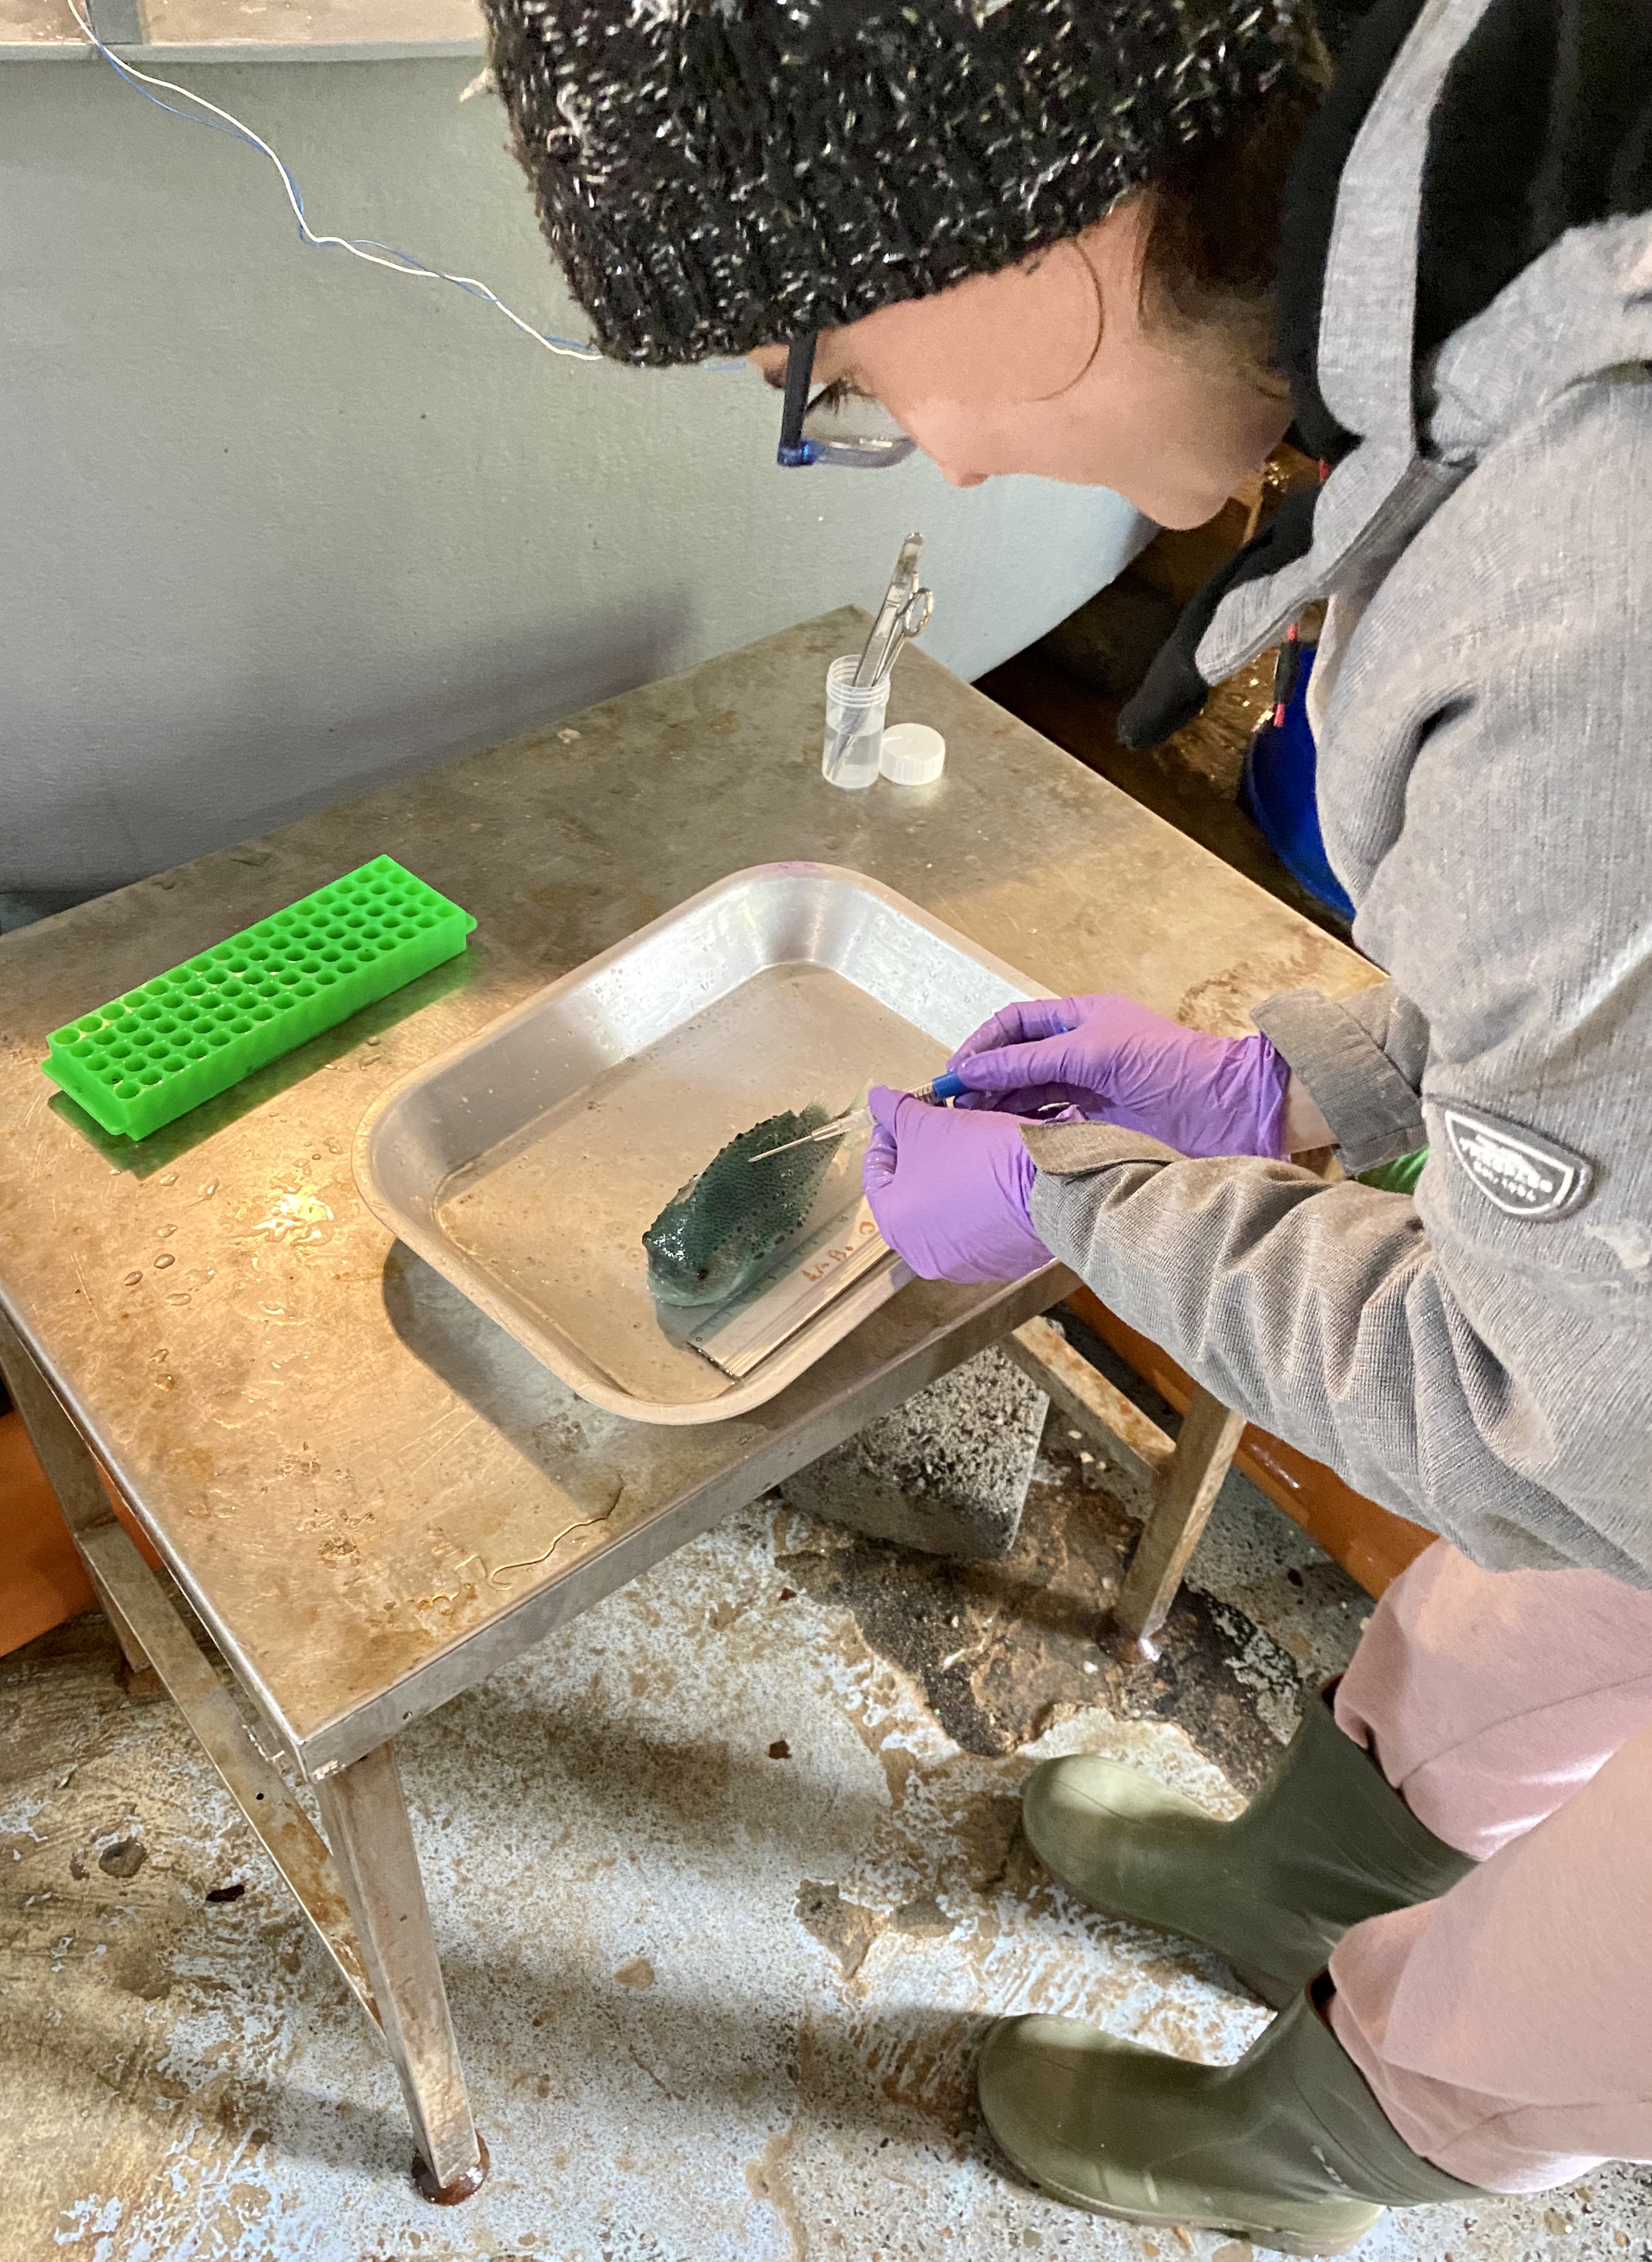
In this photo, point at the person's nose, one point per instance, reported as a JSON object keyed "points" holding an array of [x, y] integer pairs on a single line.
{"points": [[956, 478]]}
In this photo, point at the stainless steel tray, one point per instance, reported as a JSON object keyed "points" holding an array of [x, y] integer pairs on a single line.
{"points": [[524, 1164]]}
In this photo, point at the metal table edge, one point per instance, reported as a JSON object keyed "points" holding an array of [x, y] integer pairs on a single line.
{"points": [[607, 1567], [246, 1674]]}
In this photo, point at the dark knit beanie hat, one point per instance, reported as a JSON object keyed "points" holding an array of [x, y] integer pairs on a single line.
{"points": [[715, 175]]}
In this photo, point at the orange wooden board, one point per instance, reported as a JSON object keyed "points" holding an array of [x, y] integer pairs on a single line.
{"points": [[42, 1581]]}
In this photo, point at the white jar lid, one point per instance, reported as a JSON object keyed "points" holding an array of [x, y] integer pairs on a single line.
{"points": [[913, 754]]}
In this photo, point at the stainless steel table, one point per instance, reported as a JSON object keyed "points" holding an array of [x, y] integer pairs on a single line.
{"points": [[367, 1494]]}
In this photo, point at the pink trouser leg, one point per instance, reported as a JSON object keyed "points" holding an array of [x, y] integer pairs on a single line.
{"points": [[1490, 1697], [1506, 2028]]}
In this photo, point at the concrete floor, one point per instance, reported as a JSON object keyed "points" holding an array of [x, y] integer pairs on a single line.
{"points": [[727, 1883]]}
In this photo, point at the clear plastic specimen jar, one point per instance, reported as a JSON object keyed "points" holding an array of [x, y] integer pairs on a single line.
{"points": [[854, 725]]}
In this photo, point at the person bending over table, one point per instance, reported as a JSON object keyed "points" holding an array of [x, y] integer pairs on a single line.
{"points": [[1131, 243]]}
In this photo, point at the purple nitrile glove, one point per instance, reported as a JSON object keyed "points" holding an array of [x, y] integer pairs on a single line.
{"points": [[1119, 1063], [950, 1191]]}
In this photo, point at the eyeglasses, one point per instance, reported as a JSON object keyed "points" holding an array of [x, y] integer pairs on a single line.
{"points": [[856, 434]]}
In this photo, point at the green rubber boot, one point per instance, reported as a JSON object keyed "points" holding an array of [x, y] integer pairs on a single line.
{"points": [[1324, 1845], [1288, 2147]]}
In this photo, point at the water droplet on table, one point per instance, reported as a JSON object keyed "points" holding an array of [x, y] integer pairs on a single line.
{"points": [[165, 1259]]}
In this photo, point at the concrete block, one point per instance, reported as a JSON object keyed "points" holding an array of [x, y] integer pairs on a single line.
{"points": [[947, 1472]]}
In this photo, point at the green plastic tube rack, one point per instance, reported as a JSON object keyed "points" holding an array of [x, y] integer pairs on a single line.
{"points": [[148, 1058]]}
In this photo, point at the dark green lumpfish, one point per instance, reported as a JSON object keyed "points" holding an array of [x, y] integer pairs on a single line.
{"points": [[717, 1232]]}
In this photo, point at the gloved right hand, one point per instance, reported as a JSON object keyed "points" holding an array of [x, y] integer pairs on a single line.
{"points": [[1118, 1062]]}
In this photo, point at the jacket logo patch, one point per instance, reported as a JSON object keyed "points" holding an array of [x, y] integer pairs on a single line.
{"points": [[1523, 1175]]}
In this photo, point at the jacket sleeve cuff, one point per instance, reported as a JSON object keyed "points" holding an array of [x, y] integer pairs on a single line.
{"points": [[1070, 1150], [1338, 1049]]}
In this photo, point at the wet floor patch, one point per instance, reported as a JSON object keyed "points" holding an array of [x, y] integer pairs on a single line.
{"points": [[1004, 1649]]}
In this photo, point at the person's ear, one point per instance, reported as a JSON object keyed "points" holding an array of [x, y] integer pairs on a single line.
{"points": [[994, 342]]}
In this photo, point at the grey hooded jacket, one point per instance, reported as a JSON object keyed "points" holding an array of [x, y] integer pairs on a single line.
{"points": [[1480, 1358]]}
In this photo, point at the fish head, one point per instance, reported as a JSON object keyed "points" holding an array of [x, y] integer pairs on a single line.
{"points": [[716, 1232], [675, 1277]]}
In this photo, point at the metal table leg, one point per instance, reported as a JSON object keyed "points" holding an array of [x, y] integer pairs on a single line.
{"points": [[1185, 1474], [1125, 1434], [365, 1818], [1186, 1494], [367, 1905]]}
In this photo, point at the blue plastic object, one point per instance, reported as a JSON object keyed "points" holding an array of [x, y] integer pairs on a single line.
{"points": [[947, 1086], [1277, 792]]}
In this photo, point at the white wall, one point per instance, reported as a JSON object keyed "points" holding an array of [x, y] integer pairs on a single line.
{"points": [[274, 526]]}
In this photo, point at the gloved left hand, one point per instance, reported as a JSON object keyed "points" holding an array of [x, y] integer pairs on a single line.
{"points": [[950, 1191], [1121, 1064]]}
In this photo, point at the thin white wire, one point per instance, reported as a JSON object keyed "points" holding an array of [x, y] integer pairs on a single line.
{"points": [[396, 263]]}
